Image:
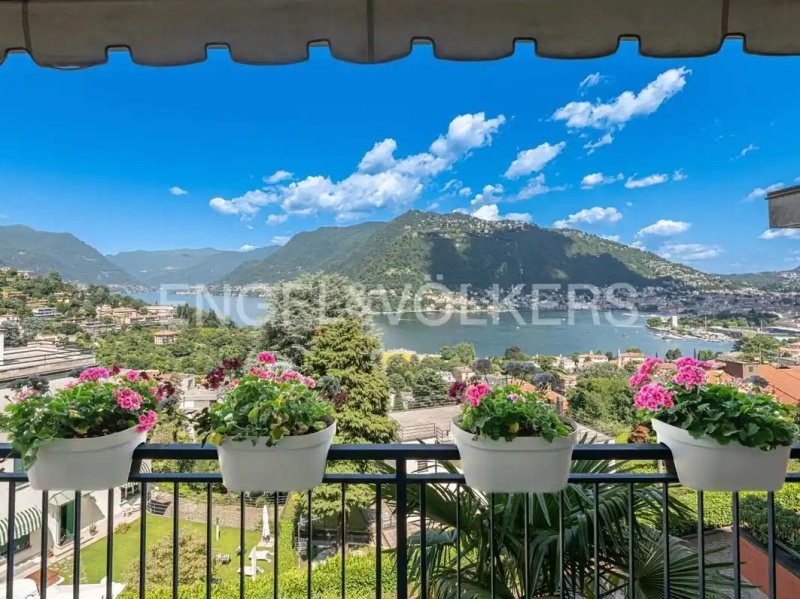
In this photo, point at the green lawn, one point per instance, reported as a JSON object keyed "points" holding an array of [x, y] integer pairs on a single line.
{"points": [[126, 549]]}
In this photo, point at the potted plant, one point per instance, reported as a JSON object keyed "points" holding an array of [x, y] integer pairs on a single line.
{"points": [[511, 441], [722, 437], [82, 437], [273, 427]]}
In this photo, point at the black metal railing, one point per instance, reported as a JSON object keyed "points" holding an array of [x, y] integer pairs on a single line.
{"points": [[398, 484]]}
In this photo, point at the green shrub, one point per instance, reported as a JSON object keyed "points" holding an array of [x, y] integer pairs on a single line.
{"points": [[753, 513]]}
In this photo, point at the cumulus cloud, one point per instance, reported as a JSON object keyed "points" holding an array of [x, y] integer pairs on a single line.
{"points": [[594, 179], [590, 80], [278, 177], [277, 219], [761, 192], [648, 181], [280, 240], [679, 175], [689, 252], [489, 193], [247, 248], [770, 234], [638, 245], [465, 192], [605, 140], [533, 160], [535, 186], [665, 228], [382, 180], [346, 217], [614, 238], [491, 212], [615, 114], [177, 191], [590, 216]]}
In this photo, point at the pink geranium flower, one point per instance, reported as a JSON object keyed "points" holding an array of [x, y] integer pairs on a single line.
{"points": [[128, 399], [132, 376], [147, 421], [653, 397], [477, 392], [266, 357], [93, 374]]}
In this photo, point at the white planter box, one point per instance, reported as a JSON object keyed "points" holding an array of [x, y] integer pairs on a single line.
{"points": [[85, 464], [524, 465], [705, 465], [293, 464]]}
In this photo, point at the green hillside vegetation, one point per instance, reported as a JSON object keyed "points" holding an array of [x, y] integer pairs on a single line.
{"points": [[418, 246], [44, 252], [188, 266], [783, 280]]}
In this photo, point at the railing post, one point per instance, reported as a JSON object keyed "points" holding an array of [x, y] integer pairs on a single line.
{"points": [[402, 528]]}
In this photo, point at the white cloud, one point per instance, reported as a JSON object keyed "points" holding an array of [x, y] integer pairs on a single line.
{"points": [[679, 175], [280, 240], [761, 192], [344, 217], [452, 184], [665, 228], [492, 213], [278, 177], [465, 192], [615, 114], [489, 193], [780, 234], [797, 180], [535, 186], [638, 245], [606, 140], [533, 160], [614, 238], [382, 180], [466, 132], [689, 252], [747, 149], [594, 179], [590, 216], [590, 80], [657, 179], [245, 205], [380, 158], [177, 191], [247, 248], [277, 219]]}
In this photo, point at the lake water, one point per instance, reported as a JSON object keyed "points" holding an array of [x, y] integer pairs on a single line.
{"points": [[549, 332]]}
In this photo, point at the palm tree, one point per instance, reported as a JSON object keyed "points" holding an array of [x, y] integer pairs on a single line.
{"points": [[491, 534]]}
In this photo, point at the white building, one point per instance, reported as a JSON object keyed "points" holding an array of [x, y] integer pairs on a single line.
{"points": [[45, 312]]}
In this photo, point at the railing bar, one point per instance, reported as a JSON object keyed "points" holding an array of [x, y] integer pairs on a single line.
{"points": [[773, 586], [402, 530], [45, 541], [275, 546], [143, 540], [76, 547], [666, 538], [10, 534], [242, 545], [561, 576], [737, 559], [309, 547], [176, 509], [378, 541], [423, 540], [209, 539], [631, 549], [109, 544], [343, 540], [492, 501], [701, 545], [596, 538], [526, 550], [458, 540]]}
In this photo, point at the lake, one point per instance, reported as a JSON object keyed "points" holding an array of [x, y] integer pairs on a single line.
{"points": [[549, 332]]}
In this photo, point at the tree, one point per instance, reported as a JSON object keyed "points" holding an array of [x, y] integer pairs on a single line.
{"points": [[13, 336], [490, 533], [758, 348], [673, 354], [429, 385], [465, 353], [603, 402], [514, 353], [158, 563], [706, 355], [298, 310], [447, 353]]}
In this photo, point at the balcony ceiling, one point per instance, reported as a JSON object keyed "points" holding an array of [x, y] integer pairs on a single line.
{"points": [[74, 33]]}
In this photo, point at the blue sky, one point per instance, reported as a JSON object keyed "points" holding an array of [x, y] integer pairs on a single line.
{"points": [[128, 157]]}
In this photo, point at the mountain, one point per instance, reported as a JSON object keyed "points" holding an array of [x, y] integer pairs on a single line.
{"points": [[419, 246], [192, 267], [43, 252], [780, 280]]}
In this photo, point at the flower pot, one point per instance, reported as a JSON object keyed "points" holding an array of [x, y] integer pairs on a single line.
{"points": [[705, 465], [85, 464], [293, 464], [524, 465]]}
